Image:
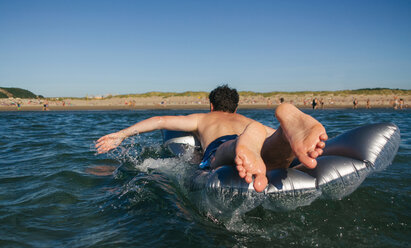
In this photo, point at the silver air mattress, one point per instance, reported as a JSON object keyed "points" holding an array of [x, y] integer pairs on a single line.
{"points": [[347, 160]]}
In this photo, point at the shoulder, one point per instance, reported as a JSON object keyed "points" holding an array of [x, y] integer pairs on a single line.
{"points": [[197, 115]]}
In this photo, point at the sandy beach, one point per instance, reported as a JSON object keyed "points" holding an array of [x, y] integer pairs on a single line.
{"points": [[195, 102]]}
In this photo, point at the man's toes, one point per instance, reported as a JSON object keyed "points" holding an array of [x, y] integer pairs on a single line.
{"points": [[260, 182], [238, 160], [323, 137], [241, 171], [249, 178], [320, 144], [308, 161], [313, 154]]}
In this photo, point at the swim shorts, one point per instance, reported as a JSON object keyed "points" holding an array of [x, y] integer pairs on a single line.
{"points": [[212, 148]]}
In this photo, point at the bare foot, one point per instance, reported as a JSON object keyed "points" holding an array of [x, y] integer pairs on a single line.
{"points": [[248, 159], [304, 133]]}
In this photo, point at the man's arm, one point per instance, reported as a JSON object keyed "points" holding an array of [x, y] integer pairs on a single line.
{"points": [[187, 123]]}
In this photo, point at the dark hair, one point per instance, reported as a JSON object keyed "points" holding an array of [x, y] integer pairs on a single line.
{"points": [[224, 99]]}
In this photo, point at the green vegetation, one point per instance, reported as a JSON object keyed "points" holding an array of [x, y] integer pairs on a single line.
{"points": [[21, 93], [2, 95], [16, 93], [167, 94], [366, 91]]}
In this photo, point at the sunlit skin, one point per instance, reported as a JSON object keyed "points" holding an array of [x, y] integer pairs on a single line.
{"points": [[258, 148]]}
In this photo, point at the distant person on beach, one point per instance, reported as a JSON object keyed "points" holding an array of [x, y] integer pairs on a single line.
{"points": [[355, 103], [396, 103], [368, 104], [45, 105], [401, 103], [315, 103], [281, 100], [269, 102], [231, 138], [322, 103]]}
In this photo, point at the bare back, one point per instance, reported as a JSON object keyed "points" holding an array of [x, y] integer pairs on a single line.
{"points": [[216, 124]]}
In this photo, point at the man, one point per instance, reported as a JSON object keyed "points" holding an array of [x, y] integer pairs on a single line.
{"points": [[231, 138]]}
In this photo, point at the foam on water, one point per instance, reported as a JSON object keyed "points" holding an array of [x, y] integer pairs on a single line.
{"points": [[228, 205], [180, 171], [50, 198]]}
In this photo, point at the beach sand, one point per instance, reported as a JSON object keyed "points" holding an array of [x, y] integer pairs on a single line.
{"points": [[186, 102]]}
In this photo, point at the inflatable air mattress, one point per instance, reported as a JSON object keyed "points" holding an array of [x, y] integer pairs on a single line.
{"points": [[347, 160]]}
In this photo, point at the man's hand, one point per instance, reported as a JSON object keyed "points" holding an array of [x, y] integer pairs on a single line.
{"points": [[109, 142]]}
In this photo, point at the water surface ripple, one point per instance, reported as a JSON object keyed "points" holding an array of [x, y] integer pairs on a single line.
{"points": [[56, 192]]}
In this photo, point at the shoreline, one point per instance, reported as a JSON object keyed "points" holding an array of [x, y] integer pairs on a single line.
{"points": [[167, 107], [202, 102]]}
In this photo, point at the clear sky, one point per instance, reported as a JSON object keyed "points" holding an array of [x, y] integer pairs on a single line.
{"points": [[75, 48]]}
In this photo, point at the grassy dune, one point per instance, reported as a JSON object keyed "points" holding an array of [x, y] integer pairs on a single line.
{"points": [[16, 93], [366, 91], [22, 93]]}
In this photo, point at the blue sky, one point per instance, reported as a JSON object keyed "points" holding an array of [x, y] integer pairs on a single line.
{"points": [[75, 48]]}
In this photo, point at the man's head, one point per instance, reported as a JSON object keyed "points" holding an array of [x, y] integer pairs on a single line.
{"points": [[224, 98]]}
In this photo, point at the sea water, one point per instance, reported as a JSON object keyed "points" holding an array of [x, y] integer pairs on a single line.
{"points": [[57, 192]]}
